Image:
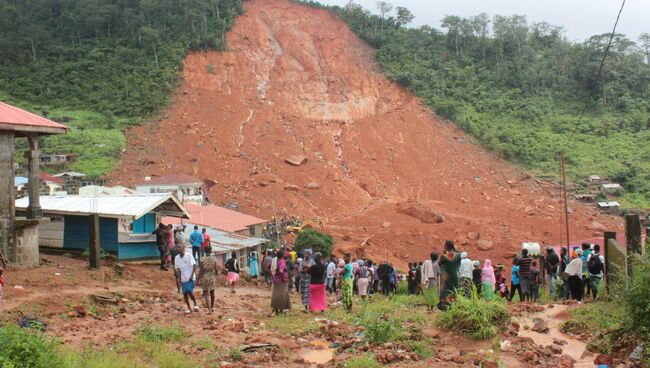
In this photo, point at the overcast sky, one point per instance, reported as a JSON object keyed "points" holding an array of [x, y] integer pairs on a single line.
{"points": [[580, 18]]}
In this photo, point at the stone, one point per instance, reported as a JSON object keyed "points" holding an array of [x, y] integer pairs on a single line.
{"points": [[560, 342], [489, 364], [385, 224], [539, 325], [312, 185], [555, 348], [473, 236], [485, 244], [528, 355], [296, 160], [529, 210], [566, 361], [291, 187]]}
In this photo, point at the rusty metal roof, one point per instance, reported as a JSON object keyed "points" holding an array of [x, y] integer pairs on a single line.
{"points": [[15, 119]]}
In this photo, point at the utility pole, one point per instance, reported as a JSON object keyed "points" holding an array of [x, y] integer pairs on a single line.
{"points": [[566, 203]]}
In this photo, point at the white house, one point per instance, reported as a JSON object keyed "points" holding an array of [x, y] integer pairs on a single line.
{"points": [[186, 188]]}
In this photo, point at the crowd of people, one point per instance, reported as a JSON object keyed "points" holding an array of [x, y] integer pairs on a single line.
{"points": [[439, 278]]}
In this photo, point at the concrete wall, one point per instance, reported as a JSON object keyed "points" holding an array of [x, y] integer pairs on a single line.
{"points": [[26, 253], [51, 232], [7, 194]]}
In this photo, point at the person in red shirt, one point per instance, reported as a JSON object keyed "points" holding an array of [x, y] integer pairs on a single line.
{"points": [[206, 241]]}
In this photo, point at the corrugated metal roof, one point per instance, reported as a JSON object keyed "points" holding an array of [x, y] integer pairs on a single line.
{"points": [[13, 116], [171, 179], [225, 240], [133, 206], [221, 218]]}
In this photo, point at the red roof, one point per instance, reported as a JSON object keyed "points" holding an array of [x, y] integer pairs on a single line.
{"points": [[217, 218], [170, 179], [13, 118], [47, 177]]}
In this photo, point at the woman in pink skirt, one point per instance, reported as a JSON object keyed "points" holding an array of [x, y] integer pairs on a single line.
{"points": [[317, 294], [232, 265]]}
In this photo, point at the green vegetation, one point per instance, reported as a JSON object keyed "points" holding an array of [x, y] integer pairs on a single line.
{"points": [[236, 354], [27, 348], [316, 241], [475, 317], [100, 66], [363, 361], [150, 333], [520, 88]]}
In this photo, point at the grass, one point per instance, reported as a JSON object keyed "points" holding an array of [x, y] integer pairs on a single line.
{"points": [[363, 361], [296, 324], [475, 317], [158, 334], [236, 354]]}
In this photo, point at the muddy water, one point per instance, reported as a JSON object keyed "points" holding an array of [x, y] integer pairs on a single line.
{"points": [[318, 353], [575, 348]]}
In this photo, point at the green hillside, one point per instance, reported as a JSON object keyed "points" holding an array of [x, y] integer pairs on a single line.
{"points": [[520, 88], [101, 65]]}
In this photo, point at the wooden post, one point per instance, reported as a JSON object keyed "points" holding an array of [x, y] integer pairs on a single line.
{"points": [[609, 235], [633, 233], [566, 203], [94, 257]]}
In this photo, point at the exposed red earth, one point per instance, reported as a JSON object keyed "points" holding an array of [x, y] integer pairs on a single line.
{"points": [[295, 118]]}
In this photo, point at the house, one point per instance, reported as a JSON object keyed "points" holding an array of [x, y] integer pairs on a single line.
{"points": [[611, 188], [223, 243], [185, 187], [125, 222], [594, 179], [49, 185], [99, 190], [56, 160], [223, 219], [610, 207]]}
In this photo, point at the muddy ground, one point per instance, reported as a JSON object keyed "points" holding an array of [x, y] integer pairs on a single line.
{"points": [[61, 293]]}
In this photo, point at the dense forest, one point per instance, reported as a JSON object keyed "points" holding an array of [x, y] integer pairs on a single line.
{"points": [[520, 88], [100, 65]]}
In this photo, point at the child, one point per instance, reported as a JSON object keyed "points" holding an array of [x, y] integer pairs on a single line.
{"points": [[232, 265], [534, 282], [501, 286], [411, 279]]}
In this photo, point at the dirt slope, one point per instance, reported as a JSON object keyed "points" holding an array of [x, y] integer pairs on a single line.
{"points": [[297, 81]]}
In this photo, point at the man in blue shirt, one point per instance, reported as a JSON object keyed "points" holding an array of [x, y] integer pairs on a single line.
{"points": [[196, 239]]}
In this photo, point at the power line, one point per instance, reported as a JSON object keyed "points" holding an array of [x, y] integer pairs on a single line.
{"points": [[600, 69]]}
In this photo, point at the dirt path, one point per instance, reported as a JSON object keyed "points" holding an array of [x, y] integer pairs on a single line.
{"points": [[552, 316]]}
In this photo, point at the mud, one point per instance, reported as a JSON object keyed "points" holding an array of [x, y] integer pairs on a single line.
{"points": [[297, 82]]}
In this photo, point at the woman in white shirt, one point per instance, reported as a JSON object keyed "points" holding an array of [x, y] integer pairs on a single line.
{"points": [[574, 271]]}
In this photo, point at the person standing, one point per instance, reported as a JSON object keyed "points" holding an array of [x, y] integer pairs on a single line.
{"points": [[488, 280], [280, 300], [384, 277], [564, 262], [574, 273], [317, 293], [232, 265], [266, 268], [514, 280], [535, 279], [525, 275], [432, 272], [465, 273], [551, 264], [476, 277], [185, 268], [596, 266], [331, 267], [196, 239], [363, 274], [346, 283], [305, 278], [449, 263], [207, 277], [253, 266], [179, 243], [160, 243], [206, 240], [410, 278]]}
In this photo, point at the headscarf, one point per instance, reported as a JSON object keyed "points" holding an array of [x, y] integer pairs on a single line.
{"points": [[463, 255], [361, 263], [487, 275], [477, 264], [341, 263]]}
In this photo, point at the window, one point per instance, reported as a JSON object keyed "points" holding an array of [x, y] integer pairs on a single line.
{"points": [[145, 224]]}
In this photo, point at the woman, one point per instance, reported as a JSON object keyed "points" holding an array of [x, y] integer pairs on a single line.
{"points": [[207, 278], [305, 279], [488, 280], [253, 266], [449, 263], [514, 280], [362, 274], [431, 293], [280, 300], [317, 293], [232, 265], [476, 277], [574, 273], [346, 283]]}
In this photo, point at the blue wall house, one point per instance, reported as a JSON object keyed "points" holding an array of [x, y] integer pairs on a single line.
{"points": [[125, 222]]}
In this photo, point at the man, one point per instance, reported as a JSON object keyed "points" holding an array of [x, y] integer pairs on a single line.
{"points": [[331, 268], [465, 273], [206, 240], [410, 278], [196, 239], [586, 252], [179, 243], [596, 266], [534, 282], [185, 269], [551, 264], [419, 288], [162, 248], [564, 262], [525, 275], [383, 272]]}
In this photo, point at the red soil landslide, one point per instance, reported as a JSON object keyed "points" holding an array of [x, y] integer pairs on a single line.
{"points": [[377, 162]]}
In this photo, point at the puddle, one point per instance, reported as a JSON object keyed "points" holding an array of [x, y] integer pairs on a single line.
{"points": [[318, 352], [574, 348]]}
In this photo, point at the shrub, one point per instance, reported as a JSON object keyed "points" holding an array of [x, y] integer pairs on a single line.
{"points": [[364, 361], [475, 317], [380, 331], [317, 241], [27, 348], [150, 333], [236, 354]]}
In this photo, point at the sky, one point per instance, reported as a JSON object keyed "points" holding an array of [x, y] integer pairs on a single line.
{"points": [[580, 18]]}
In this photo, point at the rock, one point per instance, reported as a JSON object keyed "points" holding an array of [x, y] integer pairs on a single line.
{"points": [[420, 212], [296, 160], [529, 210], [346, 237], [596, 226], [489, 364], [81, 311], [566, 361], [485, 244], [440, 219], [385, 224], [312, 185], [560, 342], [539, 325], [291, 187], [528, 355], [473, 236], [555, 348]]}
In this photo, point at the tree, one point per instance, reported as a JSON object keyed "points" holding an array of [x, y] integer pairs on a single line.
{"points": [[150, 36], [404, 16], [644, 39], [384, 8], [316, 241]]}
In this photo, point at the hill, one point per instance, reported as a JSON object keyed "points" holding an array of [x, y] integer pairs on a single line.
{"points": [[389, 176]]}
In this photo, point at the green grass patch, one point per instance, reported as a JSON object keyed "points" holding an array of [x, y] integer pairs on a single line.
{"points": [[294, 324], [150, 333], [26, 348], [363, 361], [475, 317]]}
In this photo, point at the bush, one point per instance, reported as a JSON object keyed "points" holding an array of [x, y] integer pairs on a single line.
{"points": [[636, 299], [236, 354], [27, 348], [151, 333], [316, 241], [475, 317], [380, 331]]}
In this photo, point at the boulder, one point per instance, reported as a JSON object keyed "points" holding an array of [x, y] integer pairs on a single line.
{"points": [[291, 187], [296, 160], [539, 325], [420, 212], [312, 185], [485, 244], [555, 348]]}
